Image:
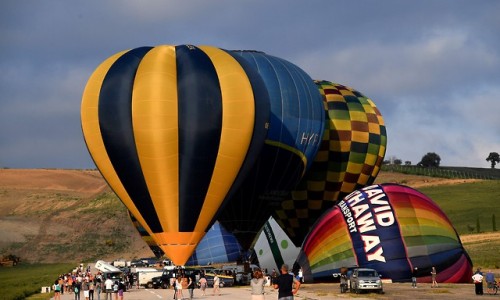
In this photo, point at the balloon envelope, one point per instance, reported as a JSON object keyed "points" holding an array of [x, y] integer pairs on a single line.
{"points": [[295, 126], [169, 128], [391, 228], [351, 153], [217, 246], [158, 253], [274, 248]]}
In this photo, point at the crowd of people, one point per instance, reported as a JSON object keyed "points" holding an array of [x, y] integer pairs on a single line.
{"points": [[92, 286], [84, 284]]}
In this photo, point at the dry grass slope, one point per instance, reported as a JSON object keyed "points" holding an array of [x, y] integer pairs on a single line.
{"points": [[72, 215]]}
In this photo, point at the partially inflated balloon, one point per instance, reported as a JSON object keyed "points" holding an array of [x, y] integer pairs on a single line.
{"points": [[391, 228], [217, 246], [295, 129], [274, 248], [169, 128], [350, 156]]}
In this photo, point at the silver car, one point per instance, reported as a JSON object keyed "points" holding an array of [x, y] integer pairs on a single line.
{"points": [[363, 279]]}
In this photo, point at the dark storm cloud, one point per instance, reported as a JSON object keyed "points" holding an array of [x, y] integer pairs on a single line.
{"points": [[432, 67]]}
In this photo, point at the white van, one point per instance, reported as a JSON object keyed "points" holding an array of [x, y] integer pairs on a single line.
{"points": [[145, 276]]}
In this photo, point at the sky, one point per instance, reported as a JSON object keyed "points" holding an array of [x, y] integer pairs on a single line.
{"points": [[431, 67]]}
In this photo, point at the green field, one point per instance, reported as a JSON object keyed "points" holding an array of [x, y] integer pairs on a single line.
{"points": [[24, 280], [468, 203]]}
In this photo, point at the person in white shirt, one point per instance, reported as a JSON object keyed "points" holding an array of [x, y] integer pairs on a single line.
{"points": [[478, 282], [108, 285]]}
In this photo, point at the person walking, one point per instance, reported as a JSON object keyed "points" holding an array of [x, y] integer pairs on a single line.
{"points": [[414, 277], [433, 276], [478, 282], [257, 284], [203, 284], [286, 284], [216, 284]]}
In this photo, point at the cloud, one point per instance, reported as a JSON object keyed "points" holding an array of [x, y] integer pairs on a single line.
{"points": [[432, 69]]}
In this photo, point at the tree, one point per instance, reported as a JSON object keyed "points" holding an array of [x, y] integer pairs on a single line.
{"points": [[494, 158], [431, 159]]}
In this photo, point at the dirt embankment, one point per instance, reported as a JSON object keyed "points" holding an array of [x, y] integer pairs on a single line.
{"points": [[416, 181], [48, 216]]}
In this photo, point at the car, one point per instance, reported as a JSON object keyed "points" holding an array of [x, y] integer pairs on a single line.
{"points": [[364, 279], [164, 280], [161, 282], [224, 280]]}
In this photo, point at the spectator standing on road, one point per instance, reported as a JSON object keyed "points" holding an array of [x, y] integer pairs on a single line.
{"points": [[85, 289], [115, 289], [98, 287], [414, 278], [203, 284], [77, 286], [91, 289], [108, 288], [286, 284], [121, 289], [216, 284], [257, 284], [191, 284], [178, 288], [490, 281], [478, 282], [433, 276], [57, 290]]}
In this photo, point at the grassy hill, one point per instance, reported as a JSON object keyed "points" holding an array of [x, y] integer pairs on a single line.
{"points": [[72, 216]]}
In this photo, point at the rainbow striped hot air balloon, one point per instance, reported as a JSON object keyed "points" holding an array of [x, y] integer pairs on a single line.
{"points": [[391, 228]]}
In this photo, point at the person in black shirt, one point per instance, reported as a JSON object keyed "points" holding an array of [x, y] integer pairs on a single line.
{"points": [[287, 284]]}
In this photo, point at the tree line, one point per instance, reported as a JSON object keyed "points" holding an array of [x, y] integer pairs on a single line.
{"points": [[432, 160]]}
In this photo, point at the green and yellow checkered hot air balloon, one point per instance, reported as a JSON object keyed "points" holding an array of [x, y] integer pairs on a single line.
{"points": [[352, 150]]}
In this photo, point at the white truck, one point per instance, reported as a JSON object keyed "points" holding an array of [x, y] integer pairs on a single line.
{"points": [[109, 270], [145, 276]]}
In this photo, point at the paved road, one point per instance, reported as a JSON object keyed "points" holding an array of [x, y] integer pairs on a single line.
{"points": [[320, 291], [229, 293]]}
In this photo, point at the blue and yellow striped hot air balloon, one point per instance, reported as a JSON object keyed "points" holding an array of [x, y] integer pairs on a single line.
{"points": [[169, 128]]}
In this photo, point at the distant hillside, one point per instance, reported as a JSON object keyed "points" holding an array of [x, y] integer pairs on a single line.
{"points": [[445, 172], [64, 215], [73, 216]]}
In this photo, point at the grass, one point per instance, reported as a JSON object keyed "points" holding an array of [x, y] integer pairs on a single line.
{"points": [[468, 203], [484, 254], [24, 280]]}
